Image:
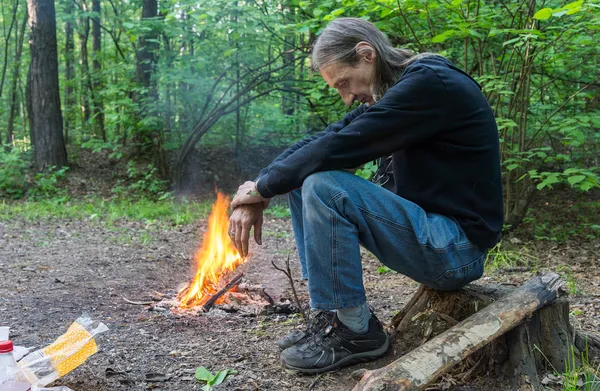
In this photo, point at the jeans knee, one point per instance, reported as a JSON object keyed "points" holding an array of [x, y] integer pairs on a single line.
{"points": [[318, 184], [316, 181]]}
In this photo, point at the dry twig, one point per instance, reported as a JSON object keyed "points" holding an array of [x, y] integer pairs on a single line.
{"points": [[288, 273]]}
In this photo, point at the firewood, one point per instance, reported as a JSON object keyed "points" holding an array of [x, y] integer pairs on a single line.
{"points": [[233, 282], [420, 367]]}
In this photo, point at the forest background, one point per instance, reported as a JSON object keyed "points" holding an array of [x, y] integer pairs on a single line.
{"points": [[157, 83], [120, 118]]}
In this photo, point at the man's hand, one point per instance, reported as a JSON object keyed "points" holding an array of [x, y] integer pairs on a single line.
{"points": [[243, 218], [248, 194]]}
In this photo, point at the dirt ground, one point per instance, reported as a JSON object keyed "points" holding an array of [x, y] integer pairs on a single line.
{"points": [[52, 271]]}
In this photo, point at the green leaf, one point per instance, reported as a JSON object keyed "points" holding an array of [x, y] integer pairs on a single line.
{"points": [[575, 179], [317, 12], [511, 167], [543, 14], [573, 5], [219, 377], [511, 41], [439, 38], [337, 12], [475, 34], [203, 374]]}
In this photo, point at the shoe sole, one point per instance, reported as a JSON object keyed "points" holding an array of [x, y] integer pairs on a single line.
{"points": [[346, 361]]}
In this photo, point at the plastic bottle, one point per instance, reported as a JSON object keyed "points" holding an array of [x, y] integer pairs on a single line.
{"points": [[11, 378]]}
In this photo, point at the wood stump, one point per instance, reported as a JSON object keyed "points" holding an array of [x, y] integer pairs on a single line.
{"points": [[507, 331]]}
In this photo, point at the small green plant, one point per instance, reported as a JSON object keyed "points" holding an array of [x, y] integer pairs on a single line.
{"points": [[45, 183], [385, 270], [97, 146], [567, 274], [367, 170], [278, 211], [204, 375], [13, 169], [580, 376], [143, 183], [276, 234], [500, 257]]}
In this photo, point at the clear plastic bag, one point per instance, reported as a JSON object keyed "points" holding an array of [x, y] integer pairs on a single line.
{"points": [[69, 351]]}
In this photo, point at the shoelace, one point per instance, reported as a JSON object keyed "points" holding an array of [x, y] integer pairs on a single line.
{"points": [[318, 338]]}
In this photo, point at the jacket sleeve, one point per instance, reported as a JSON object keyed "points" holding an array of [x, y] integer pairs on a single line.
{"points": [[410, 112], [336, 127]]}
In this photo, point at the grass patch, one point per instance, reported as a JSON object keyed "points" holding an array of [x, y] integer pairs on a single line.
{"points": [[580, 374], [278, 211], [502, 257], [105, 210]]}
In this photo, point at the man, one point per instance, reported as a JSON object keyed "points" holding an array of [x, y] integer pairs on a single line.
{"points": [[435, 225]]}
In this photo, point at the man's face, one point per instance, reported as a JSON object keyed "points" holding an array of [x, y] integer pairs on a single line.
{"points": [[354, 83]]}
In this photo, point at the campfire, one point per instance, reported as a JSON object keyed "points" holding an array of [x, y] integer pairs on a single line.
{"points": [[213, 263], [216, 279]]}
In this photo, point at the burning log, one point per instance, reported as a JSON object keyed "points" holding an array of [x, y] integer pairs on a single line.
{"points": [[216, 258], [213, 299], [451, 326]]}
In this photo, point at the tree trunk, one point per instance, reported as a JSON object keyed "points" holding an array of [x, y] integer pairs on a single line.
{"points": [[287, 97], [97, 77], [84, 32], [69, 70], [514, 332], [43, 97], [13, 21], [145, 68], [15, 79], [146, 54]]}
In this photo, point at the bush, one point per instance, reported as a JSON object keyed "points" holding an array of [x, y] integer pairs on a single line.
{"points": [[142, 183], [13, 173]]}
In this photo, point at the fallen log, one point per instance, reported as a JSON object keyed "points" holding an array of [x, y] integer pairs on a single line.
{"points": [[506, 310]]}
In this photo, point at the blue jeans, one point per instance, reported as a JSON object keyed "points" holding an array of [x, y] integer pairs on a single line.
{"points": [[335, 212]]}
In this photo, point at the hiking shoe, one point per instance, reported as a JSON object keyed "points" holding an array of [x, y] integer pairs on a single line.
{"points": [[317, 323], [336, 346]]}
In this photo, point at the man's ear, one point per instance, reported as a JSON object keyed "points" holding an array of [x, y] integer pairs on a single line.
{"points": [[366, 51]]}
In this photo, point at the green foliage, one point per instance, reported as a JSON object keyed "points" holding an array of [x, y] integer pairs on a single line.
{"points": [[13, 173], [563, 222], [385, 270], [578, 178], [204, 375], [97, 146], [45, 183], [565, 272], [106, 211], [278, 211], [16, 182], [142, 183], [367, 170], [502, 257], [536, 62], [580, 374]]}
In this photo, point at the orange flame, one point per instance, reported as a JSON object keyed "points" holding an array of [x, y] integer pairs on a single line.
{"points": [[216, 257]]}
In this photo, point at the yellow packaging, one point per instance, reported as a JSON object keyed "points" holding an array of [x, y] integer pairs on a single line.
{"points": [[65, 354]]}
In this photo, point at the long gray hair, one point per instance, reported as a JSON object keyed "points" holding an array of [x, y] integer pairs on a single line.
{"points": [[337, 44]]}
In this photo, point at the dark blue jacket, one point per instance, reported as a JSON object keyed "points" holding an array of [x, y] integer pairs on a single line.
{"points": [[443, 136]]}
